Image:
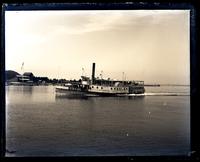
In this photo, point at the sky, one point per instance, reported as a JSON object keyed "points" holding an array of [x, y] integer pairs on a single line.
{"points": [[148, 45]]}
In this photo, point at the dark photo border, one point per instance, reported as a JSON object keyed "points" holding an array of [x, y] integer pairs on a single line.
{"points": [[194, 66]]}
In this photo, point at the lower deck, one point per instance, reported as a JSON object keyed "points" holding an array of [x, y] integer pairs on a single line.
{"points": [[101, 90]]}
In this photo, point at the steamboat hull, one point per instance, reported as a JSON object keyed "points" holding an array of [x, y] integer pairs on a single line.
{"points": [[63, 91]]}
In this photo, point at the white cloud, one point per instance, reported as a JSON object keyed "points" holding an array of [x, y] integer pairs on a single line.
{"points": [[91, 21]]}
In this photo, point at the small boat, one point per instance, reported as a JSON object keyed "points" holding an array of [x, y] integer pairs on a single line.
{"points": [[101, 87]]}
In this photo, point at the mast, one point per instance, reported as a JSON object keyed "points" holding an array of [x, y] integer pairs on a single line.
{"points": [[22, 67], [101, 76], [93, 73], [83, 72]]}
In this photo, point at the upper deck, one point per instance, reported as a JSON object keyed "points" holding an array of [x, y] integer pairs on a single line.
{"points": [[118, 82]]}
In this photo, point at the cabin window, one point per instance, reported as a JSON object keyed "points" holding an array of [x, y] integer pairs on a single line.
{"points": [[101, 87], [114, 88], [97, 87], [111, 88], [92, 86]]}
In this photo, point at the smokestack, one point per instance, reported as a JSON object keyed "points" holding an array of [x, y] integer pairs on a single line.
{"points": [[93, 72]]}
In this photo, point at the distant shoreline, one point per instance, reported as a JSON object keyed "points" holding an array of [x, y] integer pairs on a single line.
{"points": [[152, 85], [173, 85], [56, 84], [158, 85]]}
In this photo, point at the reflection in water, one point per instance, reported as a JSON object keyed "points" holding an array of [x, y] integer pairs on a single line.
{"points": [[67, 96], [27, 89], [14, 94], [63, 96], [20, 89], [17, 94]]}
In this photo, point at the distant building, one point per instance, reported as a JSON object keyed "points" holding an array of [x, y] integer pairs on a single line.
{"points": [[42, 80], [29, 74], [26, 77]]}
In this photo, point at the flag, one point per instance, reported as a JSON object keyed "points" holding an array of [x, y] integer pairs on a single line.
{"points": [[22, 65], [82, 71]]}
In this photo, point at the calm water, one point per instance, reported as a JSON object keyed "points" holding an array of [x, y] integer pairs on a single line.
{"points": [[39, 123]]}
